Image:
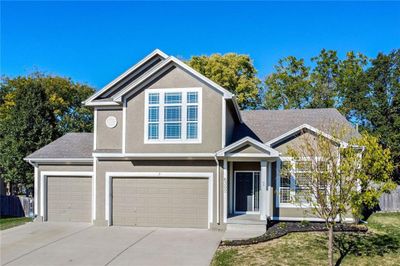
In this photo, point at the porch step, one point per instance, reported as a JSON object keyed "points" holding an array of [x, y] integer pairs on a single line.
{"points": [[246, 219], [243, 231]]}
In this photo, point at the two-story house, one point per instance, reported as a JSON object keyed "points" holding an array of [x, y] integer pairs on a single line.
{"points": [[171, 148]]}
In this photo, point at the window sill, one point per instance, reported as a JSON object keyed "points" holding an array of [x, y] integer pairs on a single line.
{"points": [[195, 141]]}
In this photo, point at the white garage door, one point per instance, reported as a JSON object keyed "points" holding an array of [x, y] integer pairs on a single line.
{"points": [[161, 202], [69, 199]]}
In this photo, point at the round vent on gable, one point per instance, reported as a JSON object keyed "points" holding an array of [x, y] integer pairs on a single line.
{"points": [[111, 122]]}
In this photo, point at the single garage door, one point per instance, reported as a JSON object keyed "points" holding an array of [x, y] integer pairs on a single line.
{"points": [[69, 199], [161, 202]]}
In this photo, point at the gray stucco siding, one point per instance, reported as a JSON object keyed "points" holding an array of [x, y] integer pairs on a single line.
{"points": [[229, 124], [108, 138], [297, 143], [211, 117]]}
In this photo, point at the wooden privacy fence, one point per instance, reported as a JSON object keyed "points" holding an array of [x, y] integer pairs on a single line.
{"points": [[390, 202], [16, 206]]}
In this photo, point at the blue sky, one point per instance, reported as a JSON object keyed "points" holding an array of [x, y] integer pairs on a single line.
{"points": [[93, 42]]}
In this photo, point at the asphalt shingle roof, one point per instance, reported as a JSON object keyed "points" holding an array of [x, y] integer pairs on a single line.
{"points": [[262, 125], [265, 125], [71, 145]]}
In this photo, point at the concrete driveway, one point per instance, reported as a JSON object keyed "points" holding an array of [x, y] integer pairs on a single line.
{"points": [[84, 244]]}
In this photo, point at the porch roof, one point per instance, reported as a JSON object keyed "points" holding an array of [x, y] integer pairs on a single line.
{"points": [[260, 150]]}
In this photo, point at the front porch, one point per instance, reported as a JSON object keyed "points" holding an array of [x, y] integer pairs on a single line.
{"points": [[248, 166], [244, 226], [246, 219], [249, 191]]}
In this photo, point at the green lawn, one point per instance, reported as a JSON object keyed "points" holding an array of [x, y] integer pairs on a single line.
{"points": [[6, 223], [380, 246]]}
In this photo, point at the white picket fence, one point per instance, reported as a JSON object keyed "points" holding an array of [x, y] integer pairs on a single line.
{"points": [[390, 202]]}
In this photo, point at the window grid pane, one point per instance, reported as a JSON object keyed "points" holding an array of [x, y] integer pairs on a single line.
{"points": [[192, 97], [172, 113], [154, 98], [153, 114], [172, 130], [284, 195], [191, 131], [153, 131], [192, 113], [173, 97]]}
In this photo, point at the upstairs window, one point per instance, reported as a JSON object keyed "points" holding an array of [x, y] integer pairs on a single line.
{"points": [[173, 116]]}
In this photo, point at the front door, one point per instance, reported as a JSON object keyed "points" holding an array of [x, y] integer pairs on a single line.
{"points": [[247, 192]]}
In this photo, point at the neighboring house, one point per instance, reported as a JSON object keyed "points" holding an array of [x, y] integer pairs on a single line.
{"points": [[171, 148]]}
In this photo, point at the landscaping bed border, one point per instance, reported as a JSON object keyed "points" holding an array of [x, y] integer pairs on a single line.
{"points": [[280, 229]]}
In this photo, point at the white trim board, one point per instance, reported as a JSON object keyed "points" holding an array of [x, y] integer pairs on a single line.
{"points": [[66, 160], [307, 127], [43, 186], [110, 175], [155, 155], [269, 152]]}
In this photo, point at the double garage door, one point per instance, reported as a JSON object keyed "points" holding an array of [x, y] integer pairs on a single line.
{"points": [[163, 202]]}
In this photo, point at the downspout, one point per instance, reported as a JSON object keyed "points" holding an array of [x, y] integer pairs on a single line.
{"points": [[218, 207], [35, 184]]}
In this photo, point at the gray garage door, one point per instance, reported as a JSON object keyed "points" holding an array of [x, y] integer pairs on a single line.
{"points": [[161, 202], [69, 199]]}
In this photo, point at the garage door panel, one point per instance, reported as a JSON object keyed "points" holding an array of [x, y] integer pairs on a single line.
{"points": [[165, 202], [69, 199]]}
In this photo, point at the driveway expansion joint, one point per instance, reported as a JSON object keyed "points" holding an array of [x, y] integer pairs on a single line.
{"points": [[46, 245], [131, 245]]}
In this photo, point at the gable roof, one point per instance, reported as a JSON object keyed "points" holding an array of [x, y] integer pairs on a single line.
{"points": [[69, 146], [149, 57], [248, 141], [118, 96], [301, 129], [266, 125], [114, 96]]}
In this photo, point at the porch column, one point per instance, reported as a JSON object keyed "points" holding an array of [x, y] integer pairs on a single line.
{"points": [[270, 200], [225, 189], [230, 195], [263, 191]]}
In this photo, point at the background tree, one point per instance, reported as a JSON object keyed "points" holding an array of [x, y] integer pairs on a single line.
{"points": [[382, 110], [289, 86], [35, 110], [332, 175], [27, 127], [352, 87], [364, 90], [323, 79], [234, 72]]}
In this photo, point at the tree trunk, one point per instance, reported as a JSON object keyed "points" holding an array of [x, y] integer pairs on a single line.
{"points": [[330, 245]]}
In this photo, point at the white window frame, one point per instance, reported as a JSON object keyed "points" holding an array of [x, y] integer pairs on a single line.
{"points": [[161, 138], [292, 186]]}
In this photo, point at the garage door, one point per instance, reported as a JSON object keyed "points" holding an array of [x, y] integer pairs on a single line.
{"points": [[161, 202], [69, 199]]}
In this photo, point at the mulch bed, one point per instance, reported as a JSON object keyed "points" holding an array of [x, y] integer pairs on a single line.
{"points": [[283, 228]]}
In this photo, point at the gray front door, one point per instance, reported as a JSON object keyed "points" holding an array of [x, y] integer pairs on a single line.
{"points": [[246, 191]]}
